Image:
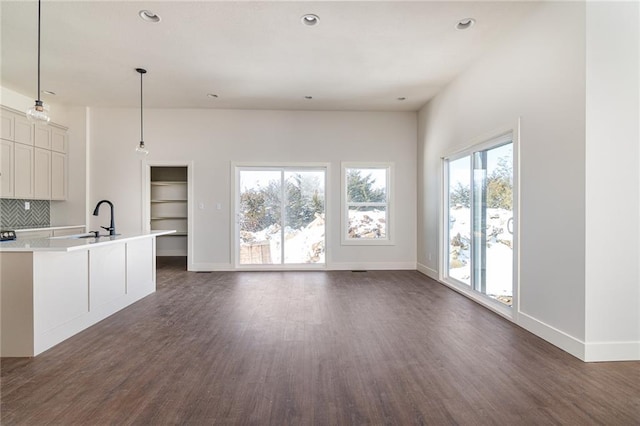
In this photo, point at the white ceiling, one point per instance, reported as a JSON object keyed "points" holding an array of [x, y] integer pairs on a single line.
{"points": [[254, 55]]}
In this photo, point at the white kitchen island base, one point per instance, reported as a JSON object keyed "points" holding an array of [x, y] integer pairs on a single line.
{"points": [[49, 294]]}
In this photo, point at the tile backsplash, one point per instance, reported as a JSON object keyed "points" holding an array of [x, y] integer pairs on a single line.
{"points": [[14, 216]]}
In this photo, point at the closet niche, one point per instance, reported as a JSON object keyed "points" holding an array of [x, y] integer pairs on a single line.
{"points": [[169, 206]]}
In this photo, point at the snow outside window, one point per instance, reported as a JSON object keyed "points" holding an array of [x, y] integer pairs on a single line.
{"points": [[366, 196]]}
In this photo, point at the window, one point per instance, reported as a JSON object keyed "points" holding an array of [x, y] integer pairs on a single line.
{"points": [[280, 215], [479, 219], [367, 213]]}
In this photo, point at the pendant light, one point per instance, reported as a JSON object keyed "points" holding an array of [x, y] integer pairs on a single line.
{"points": [[39, 113], [140, 149]]}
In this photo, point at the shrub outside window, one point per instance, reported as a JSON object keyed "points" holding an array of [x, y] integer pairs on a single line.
{"points": [[366, 203]]}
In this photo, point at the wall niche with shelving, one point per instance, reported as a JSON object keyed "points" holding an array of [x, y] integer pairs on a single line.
{"points": [[169, 208]]}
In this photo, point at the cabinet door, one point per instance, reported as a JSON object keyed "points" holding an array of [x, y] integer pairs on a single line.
{"points": [[58, 176], [6, 168], [43, 137], [23, 130], [58, 140], [6, 125], [23, 171], [42, 175]]}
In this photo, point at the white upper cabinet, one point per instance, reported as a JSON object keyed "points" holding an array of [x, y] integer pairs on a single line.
{"points": [[23, 171], [33, 159], [6, 168], [43, 137], [7, 125], [58, 139], [24, 130], [42, 174]]}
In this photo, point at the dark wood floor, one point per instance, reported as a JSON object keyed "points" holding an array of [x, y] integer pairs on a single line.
{"points": [[302, 348]]}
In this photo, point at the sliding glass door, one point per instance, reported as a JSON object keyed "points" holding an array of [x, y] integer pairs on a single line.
{"points": [[479, 214], [281, 216]]}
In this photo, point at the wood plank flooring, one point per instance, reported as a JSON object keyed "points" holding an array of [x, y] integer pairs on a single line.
{"points": [[303, 348]]}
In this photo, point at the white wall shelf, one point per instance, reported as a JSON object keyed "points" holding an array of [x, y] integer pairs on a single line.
{"points": [[169, 208]]}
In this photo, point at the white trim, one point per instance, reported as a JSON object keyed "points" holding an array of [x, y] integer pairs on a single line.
{"points": [[484, 300], [612, 351], [340, 266], [500, 136], [552, 335], [375, 266], [236, 168], [431, 273], [389, 240], [146, 203], [211, 267], [169, 252]]}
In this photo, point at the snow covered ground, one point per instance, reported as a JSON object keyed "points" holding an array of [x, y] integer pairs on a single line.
{"points": [[307, 245], [499, 250]]}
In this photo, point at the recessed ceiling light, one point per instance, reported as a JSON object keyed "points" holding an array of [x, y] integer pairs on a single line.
{"points": [[402, 98], [212, 95], [310, 19], [308, 97], [465, 23], [149, 16], [49, 92]]}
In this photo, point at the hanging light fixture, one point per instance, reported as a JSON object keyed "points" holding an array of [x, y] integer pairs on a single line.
{"points": [[39, 113], [140, 149]]}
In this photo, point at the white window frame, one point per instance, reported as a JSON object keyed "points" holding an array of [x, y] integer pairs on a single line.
{"points": [[487, 141], [390, 228], [236, 168]]}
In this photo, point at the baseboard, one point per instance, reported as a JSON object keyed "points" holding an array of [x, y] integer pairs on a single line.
{"points": [[431, 273], [371, 266], [552, 335], [612, 351], [160, 252], [346, 266], [210, 267]]}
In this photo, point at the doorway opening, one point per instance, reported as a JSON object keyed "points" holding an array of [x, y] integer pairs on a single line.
{"points": [[168, 208]]}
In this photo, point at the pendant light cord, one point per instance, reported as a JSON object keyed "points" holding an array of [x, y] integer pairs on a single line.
{"points": [[141, 117], [39, 6]]}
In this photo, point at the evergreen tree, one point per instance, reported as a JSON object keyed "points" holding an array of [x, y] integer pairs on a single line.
{"points": [[360, 189], [500, 185], [460, 196]]}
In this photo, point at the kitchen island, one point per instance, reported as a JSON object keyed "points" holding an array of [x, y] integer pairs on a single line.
{"points": [[53, 288]]}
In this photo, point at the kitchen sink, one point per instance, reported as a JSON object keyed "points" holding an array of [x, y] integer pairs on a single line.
{"points": [[77, 236]]}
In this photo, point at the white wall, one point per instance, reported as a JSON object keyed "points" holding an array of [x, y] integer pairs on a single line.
{"points": [[214, 139], [537, 74], [613, 181], [74, 210]]}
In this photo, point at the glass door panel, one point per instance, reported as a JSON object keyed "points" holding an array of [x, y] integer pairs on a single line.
{"points": [[480, 216], [304, 226], [260, 217], [497, 231], [281, 215], [459, 266]]}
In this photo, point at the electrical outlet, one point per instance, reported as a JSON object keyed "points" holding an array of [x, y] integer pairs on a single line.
{"points": [[430, 256], [201, 206], [218, 206], [27, 205]]}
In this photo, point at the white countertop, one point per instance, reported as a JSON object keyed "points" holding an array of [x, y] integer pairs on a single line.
{"points": [[67, 243]]}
